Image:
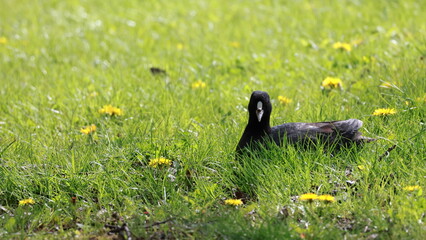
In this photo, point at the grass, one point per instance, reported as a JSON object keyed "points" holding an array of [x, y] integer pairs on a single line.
{"points": [[62, 61]]}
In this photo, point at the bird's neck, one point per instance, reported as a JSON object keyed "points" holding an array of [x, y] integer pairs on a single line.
{"points": [[259, 128]]}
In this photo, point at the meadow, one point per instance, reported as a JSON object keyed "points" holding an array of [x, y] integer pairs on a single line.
{"points": [[96, 145]]}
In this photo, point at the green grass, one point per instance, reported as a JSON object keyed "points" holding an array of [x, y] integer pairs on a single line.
{"points": [[61, 61]]}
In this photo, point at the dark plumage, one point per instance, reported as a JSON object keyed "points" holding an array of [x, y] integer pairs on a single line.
{"points": [[258, 130], [157, 71]]}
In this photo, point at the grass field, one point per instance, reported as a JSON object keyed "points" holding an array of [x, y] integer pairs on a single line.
{"points": [[62, 62]]}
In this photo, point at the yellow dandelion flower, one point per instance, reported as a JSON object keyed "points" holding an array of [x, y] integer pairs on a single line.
{"points": [[386, 85], [180, 46], [384, 111], [308, 197], [361, 167], [342, 46], [412, 188], [233, 202], [3, 40], [326, 198], [284, 100], [88, 129], [110, 110], [234, 44], [157, 162], [331, 83], [26, 201], [198, 84]]}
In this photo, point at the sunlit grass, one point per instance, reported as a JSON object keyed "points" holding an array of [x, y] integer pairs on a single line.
{"points": [[89, 136]]}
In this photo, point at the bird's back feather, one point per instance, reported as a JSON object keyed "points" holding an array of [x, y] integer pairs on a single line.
{"points": [[312, 132]]}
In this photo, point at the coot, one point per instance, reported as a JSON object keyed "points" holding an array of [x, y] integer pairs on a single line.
{"points": [[258, 130]]}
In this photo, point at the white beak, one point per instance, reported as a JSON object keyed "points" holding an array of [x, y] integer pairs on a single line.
{"points": [[259, 111]]}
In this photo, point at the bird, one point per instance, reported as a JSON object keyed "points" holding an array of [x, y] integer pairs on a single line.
{"points": [[157, 71], [258, 130]]}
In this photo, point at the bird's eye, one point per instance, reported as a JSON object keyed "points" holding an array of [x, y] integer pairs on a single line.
{"points": [[259, 105]]}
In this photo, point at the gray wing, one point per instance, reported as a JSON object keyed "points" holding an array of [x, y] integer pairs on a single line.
{"points": [[346, 130]]}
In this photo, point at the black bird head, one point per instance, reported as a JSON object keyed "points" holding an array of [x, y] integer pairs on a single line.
{"points": [[258, 127], [259, 108]]}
